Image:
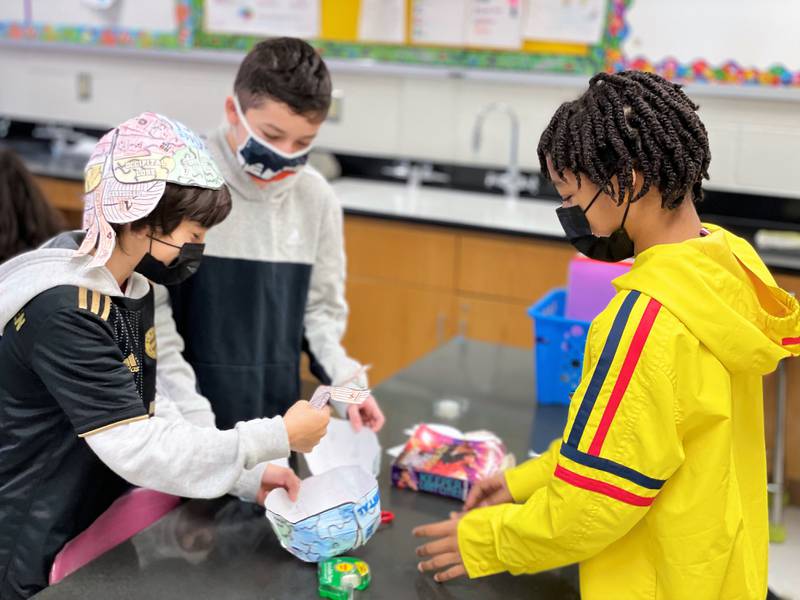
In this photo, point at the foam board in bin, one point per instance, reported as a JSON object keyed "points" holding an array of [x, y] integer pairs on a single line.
{"points": [[559, 347], [589, 287]]}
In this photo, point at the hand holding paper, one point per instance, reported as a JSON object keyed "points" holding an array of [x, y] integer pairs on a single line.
{"points": [[305, 425]]}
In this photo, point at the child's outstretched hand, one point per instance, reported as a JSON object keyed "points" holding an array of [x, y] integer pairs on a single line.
{"points": [[443, 552], [488, 492]]}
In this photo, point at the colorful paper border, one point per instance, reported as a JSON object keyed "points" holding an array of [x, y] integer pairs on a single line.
{"points": [[698, 71]]}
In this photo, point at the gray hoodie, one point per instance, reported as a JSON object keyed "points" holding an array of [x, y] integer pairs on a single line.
{"points": [[178, 450]]}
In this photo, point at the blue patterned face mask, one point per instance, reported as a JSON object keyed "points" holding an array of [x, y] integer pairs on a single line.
{"points": [[263, 160]]}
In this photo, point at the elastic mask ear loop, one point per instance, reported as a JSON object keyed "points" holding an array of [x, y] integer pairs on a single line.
{"points": [[630, 200], [625, 216], [596, 196]]}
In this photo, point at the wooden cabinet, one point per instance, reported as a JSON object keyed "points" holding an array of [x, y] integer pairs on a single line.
{"points": [[499, 278], [503, 266], [400, 288], [65, 195], [406, 323], [411, 287], [415, 255], [498, 321]]}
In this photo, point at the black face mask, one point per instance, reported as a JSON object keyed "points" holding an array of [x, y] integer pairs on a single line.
{"points": [[614, 248], [179, 270]]}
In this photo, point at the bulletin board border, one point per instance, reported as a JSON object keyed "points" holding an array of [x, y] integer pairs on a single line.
{"points": [[700, 71], [107, 37]]}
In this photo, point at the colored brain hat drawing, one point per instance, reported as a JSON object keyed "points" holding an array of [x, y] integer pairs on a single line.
{"points": [[128, 172]]}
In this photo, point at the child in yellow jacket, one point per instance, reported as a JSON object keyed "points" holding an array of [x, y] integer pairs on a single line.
{"points": [[658, 485]]}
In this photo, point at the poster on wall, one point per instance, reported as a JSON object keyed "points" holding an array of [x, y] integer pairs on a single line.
{"points": [[382, 21], [438, 22], [105, 23], [294, 18], [495, 24], [148, 15], [568, 21]]}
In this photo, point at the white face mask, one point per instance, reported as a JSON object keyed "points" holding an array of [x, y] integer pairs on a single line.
{"points": [[263, 160]]}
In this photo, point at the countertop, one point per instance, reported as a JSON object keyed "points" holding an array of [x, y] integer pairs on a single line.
{"points": [[225, 548], [475, 210]]}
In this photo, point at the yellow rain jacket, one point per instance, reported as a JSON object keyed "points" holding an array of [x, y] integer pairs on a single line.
{"points": [[658, 487]]}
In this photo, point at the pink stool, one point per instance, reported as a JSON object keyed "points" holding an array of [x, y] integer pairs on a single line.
{"points": [[128, 515], [589, 288]]}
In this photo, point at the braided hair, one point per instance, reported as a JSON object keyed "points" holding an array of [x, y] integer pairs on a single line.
{"points": [[625, 121]]}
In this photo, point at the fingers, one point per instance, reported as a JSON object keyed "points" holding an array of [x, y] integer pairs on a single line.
{"points": [[377, 418], [439, 562], [497, 497], [292, 485], [441, 546], [440, 529], [476, 496], [452, 573], [354, 414]]}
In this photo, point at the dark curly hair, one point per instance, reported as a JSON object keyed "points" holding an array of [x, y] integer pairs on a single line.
{"points": [[625, 121], [26, 218], [288, 70], [183, 203]]}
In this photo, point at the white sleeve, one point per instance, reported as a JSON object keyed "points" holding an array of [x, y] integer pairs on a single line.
{"points": [[175, 378], [326, 308], [249, 483], [168, 454]]}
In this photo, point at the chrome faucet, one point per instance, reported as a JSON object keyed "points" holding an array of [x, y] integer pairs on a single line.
{"points": [[415, 174], [511, 181], [60, 137]]}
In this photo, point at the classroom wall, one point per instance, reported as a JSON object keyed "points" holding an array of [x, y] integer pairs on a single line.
{"points": [[755, 143]]}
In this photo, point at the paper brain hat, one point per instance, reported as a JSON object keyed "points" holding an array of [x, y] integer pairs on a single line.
{"points": [[128, 171]]}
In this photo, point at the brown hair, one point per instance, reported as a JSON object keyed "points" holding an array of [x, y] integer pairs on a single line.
{"points": [[286, 70], [183, 203], [26, 219]]}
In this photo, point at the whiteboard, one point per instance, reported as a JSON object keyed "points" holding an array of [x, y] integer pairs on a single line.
{"points": [[12, 11], [752, 33], [147, 15]]}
